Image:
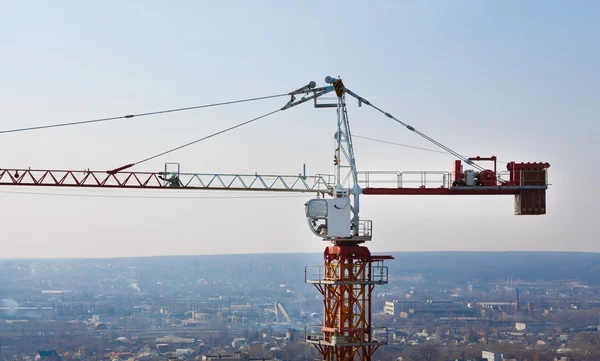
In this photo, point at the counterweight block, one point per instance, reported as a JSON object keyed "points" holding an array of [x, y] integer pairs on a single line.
{"points": [[529, 201]]}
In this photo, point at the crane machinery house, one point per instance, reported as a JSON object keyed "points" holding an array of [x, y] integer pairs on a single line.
{"points": [[330, 217]]}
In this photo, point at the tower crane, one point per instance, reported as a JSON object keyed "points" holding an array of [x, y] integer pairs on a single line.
{"points": [[349, 272]]}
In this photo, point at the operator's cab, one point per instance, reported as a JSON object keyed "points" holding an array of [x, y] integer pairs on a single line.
{"points": [[330, 218]]}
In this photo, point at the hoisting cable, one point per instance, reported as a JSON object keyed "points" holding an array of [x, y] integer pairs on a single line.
{"points": [[139, 115], [117, 170]]}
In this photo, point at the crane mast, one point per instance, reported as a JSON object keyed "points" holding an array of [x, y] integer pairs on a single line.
{"points": [[344, 155], [349, 272]]}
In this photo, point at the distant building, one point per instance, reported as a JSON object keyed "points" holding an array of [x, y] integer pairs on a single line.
{"points": [[495, 305], [99, 326], [389, 308], [162, 347], [197, 323], [183, 352], [237, 356], [398, 308], [519, 326], [48, 355], [492, 356], [238, 341], [443, 307], [585, 329], [175, 340], [403, 308], [122, 341], [171, 343]]}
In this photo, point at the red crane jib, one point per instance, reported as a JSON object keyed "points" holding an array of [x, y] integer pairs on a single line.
{"points": [[527, 182], [71, 178]]}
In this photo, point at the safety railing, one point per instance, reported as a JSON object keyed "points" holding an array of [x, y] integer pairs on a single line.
{"points": [[407, 179], [442, 179], [315, 334], [365, 229], [327, 179], [318, 274]]}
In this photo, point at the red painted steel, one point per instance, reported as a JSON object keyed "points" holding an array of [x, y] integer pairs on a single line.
{"points": [[440, 191], [117, 170], [487, 178], [347, 332], [381, 257], [525, 173], [89, 179], [492, 158], [458, 174], [529, 202]]}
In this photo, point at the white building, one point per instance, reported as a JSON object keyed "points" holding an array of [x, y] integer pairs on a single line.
{"points": [[492, 356]]}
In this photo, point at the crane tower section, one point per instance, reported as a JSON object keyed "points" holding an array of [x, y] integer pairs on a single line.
{"points": [[346, 281], [349, 273]]}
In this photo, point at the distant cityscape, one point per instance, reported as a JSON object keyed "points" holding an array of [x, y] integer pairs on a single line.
{"points": [[436, 306]]}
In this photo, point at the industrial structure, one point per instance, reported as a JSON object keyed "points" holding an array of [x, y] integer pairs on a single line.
{"points": [[349, 272]]}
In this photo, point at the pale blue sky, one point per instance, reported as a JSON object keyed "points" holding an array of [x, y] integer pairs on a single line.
{"points": [[516, 79]]}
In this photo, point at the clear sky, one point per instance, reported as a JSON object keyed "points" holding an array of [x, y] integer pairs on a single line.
{"points": [[515, 79]]}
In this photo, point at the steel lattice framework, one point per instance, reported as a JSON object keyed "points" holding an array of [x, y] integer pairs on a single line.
{"points": [[346, 281], [161, 180]]}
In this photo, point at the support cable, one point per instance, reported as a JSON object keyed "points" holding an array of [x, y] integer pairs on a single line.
{"points": [[408, 146], [447, 149], [400, 144], [138, 115], [117, 170], [412, 129]]}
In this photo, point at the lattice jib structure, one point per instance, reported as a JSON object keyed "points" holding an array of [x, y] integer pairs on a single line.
{"points": [[347, 280], [165, 180]]}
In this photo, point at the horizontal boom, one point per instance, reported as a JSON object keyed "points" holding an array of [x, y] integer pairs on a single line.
{"points": [[166, 180]]}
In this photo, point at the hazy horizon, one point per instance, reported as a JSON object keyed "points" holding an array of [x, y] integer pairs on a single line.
{"points": [[287, 254]]}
